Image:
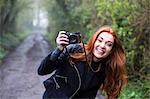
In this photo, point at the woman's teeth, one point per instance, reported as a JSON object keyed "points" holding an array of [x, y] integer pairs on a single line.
{"points": [[100, 50]]}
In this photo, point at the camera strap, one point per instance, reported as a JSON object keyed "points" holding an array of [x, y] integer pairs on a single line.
{"points": [[99, 67]]}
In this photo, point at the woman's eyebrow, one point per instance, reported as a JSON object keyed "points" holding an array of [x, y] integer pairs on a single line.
{"points": [[102, 39], [110, 42]]}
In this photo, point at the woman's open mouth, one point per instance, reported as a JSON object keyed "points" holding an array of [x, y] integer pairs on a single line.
{"points": [[99, 50]]}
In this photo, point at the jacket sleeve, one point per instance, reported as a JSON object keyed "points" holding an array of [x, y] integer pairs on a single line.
{"points": [[56, 58], [50, 63], [71, 48]]}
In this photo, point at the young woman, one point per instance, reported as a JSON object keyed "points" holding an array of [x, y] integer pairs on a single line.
{"points": [[81, 70]]}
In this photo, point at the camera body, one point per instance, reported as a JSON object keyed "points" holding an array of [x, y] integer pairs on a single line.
{"points": [[74, 37]]}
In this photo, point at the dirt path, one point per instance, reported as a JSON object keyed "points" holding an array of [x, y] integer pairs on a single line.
{"points": [[18, 73]]}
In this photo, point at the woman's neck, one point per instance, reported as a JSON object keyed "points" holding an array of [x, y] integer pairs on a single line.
{"points": [[96, 59]]}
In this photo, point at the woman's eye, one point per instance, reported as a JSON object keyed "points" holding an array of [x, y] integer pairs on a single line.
{"points": [[100, 40], [109, 45]]}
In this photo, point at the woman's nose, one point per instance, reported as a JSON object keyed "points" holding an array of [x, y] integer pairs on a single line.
{"points": [[102, 44]]}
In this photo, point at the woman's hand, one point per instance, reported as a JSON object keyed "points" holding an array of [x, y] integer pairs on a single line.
{"points": [[62, 40]]}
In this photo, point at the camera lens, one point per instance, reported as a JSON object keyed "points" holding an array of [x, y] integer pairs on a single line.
{"points": [[73, 39]]}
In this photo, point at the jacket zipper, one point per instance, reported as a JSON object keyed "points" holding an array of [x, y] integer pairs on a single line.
{"points": [[73, 64]]}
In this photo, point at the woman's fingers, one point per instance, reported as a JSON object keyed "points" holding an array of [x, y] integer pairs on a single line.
{"points": [[62, 36], [62, 39]]}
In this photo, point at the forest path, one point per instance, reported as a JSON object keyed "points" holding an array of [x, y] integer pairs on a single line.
{"points": [[18, 72]]}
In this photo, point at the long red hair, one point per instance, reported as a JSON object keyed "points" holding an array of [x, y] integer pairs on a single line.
{"points": [[115, 69]]}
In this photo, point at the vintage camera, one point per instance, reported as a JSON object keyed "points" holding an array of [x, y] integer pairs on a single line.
{"points": [[74, 37]]}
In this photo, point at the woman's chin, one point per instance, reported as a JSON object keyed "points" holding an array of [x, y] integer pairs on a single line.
{"points": [[97, 58]]}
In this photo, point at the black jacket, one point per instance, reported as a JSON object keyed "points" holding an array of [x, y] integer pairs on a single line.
{"points": [[70, 80]]}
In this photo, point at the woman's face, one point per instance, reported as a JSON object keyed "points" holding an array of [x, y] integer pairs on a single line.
{"points": [[103, 46]]}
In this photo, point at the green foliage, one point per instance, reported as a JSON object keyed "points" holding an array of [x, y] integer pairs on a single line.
{"points": [[50, 37], [10, 9], [136, 90], [69, 15], [3, 52], [10, 41], [24, 17], [1, 3], [11, 27], [81, 17], [119, 14], [56, 13]]}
